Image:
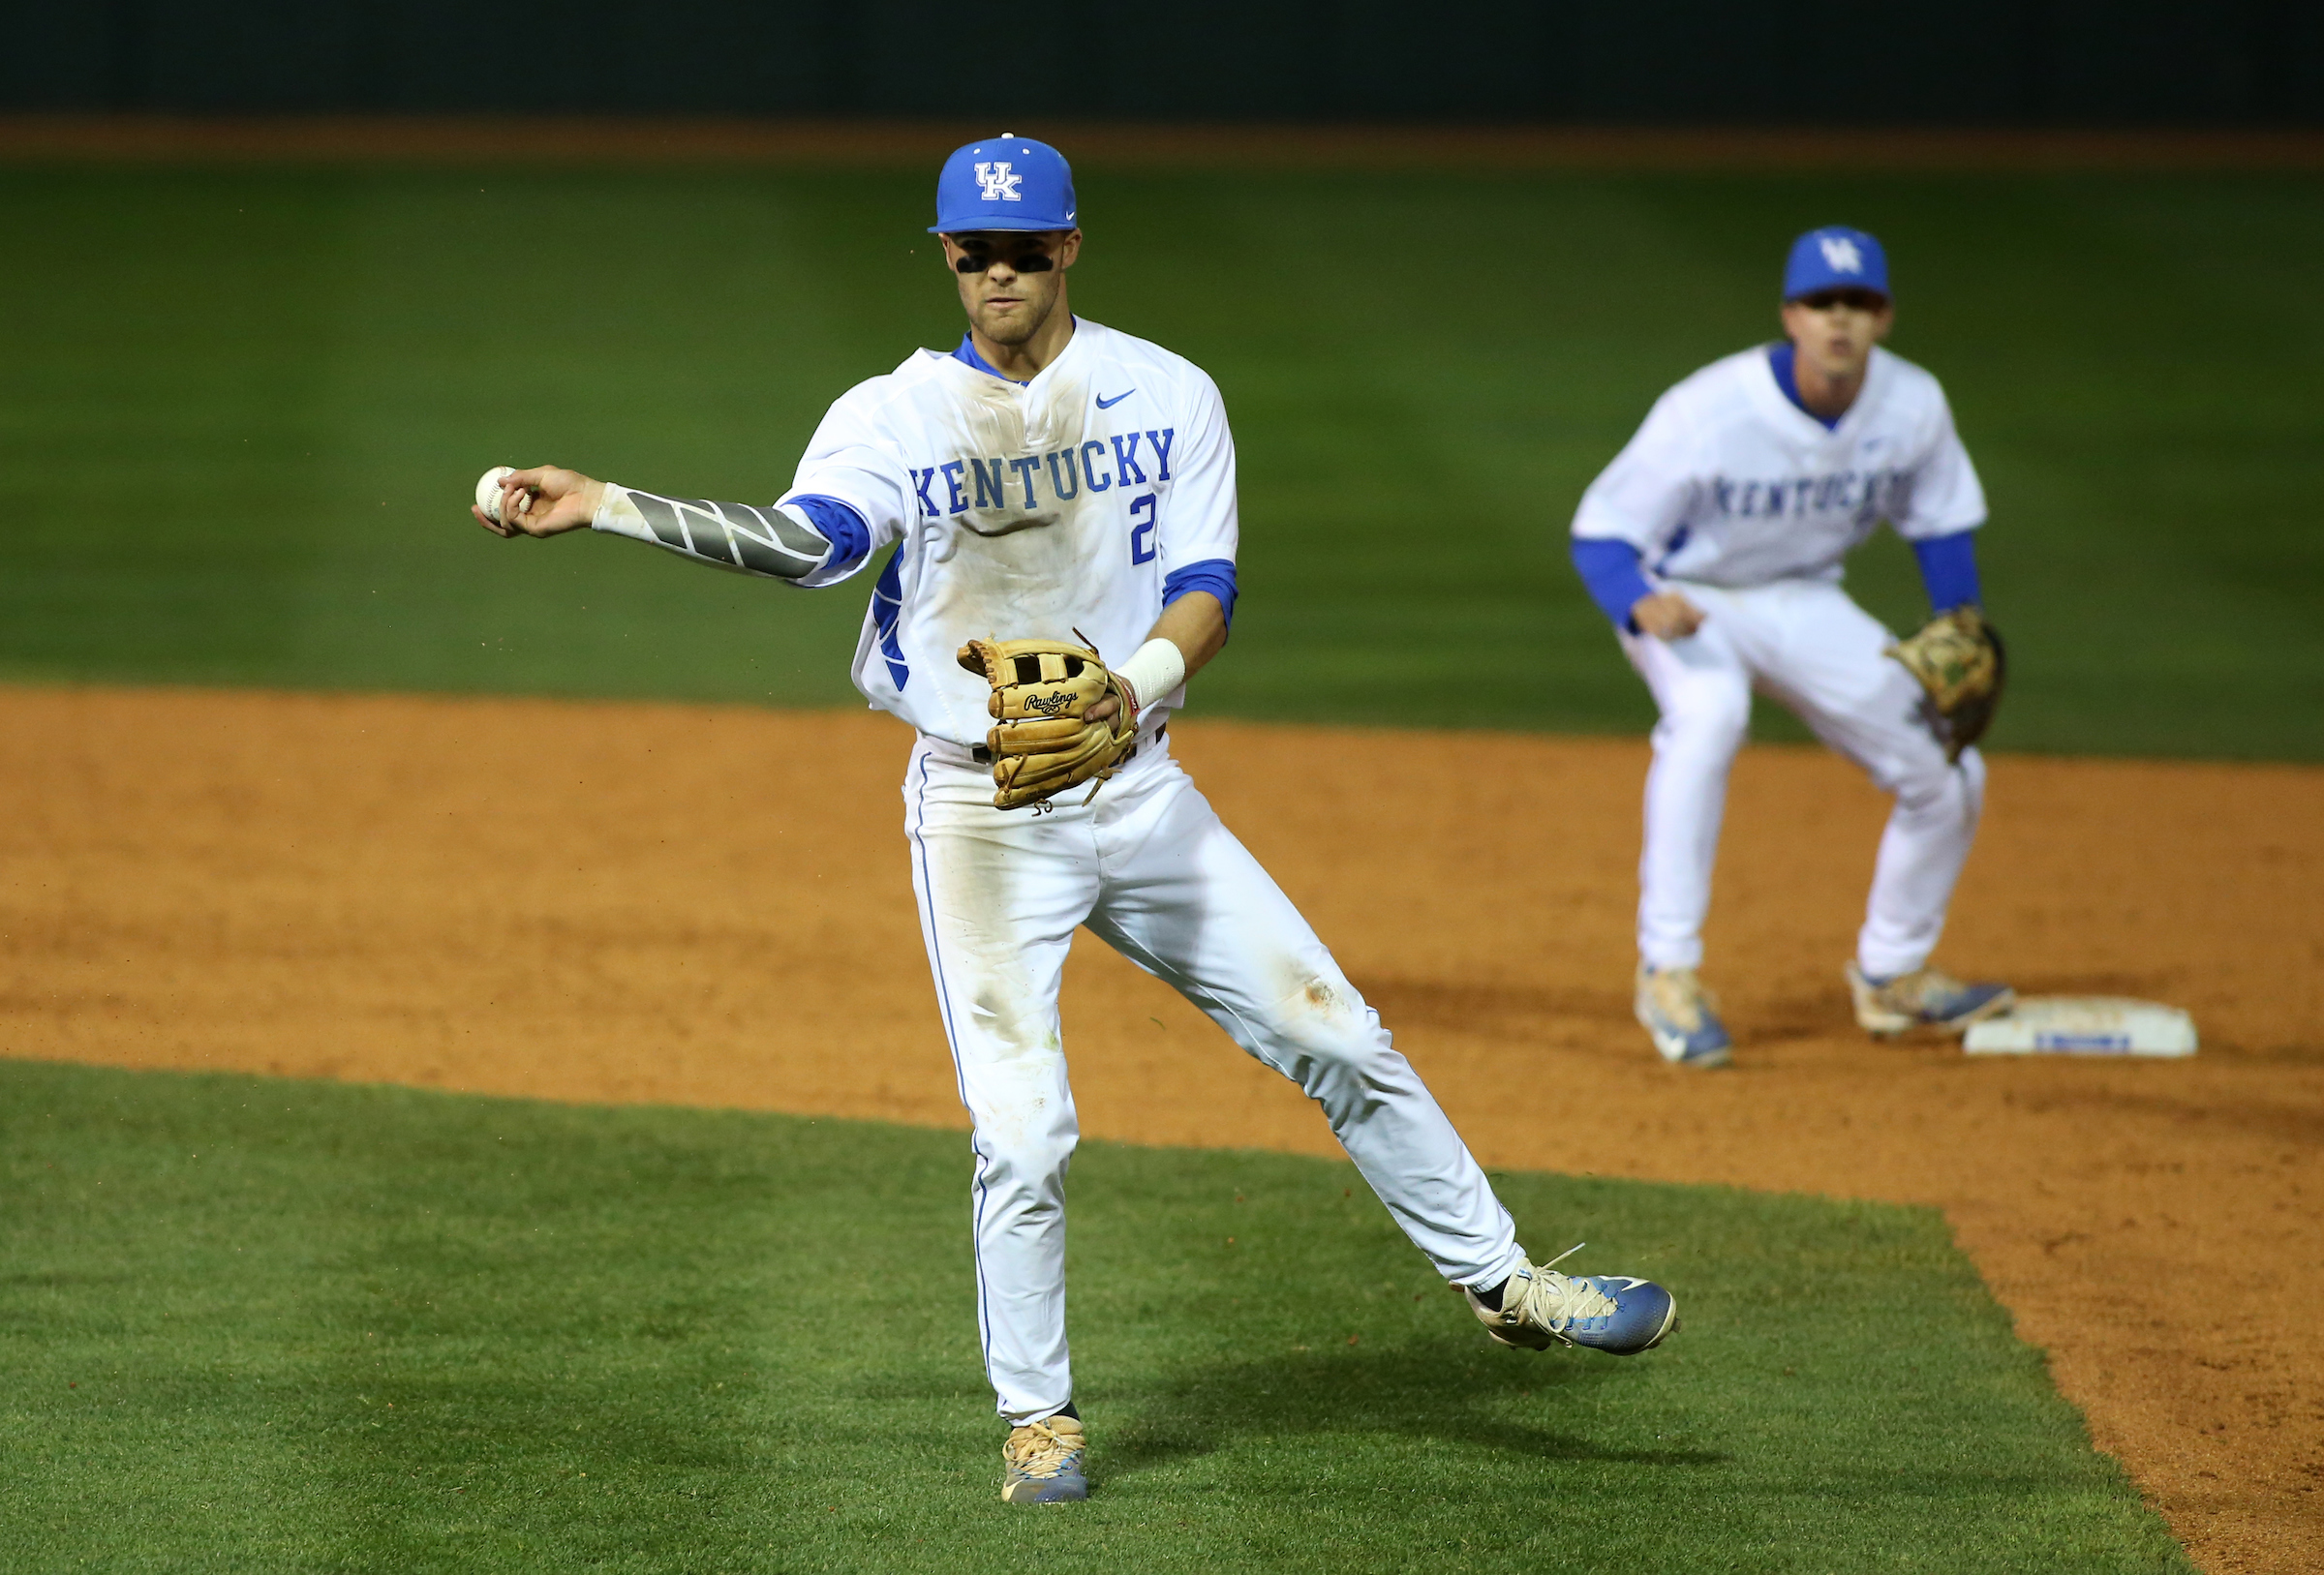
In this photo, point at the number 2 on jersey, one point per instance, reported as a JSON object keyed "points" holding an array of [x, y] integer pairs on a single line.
{"points": [[1142, 533]]}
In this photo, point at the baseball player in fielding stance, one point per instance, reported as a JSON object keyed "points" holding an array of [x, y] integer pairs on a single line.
{"points": [[1052, 489], [1714, 543]]}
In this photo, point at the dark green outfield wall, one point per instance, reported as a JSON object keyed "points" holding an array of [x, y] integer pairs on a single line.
{"points": [[1789, 62]]}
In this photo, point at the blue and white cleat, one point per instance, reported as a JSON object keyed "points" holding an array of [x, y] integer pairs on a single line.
{"points": [[1611, 1313], [1677, 1014], [1923, 998], [1041, 1464]]}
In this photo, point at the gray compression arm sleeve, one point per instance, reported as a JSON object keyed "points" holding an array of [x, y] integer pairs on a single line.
{"points": [[770, 541]]}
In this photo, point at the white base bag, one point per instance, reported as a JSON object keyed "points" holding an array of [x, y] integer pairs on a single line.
{"points": [[2084, 1026]]}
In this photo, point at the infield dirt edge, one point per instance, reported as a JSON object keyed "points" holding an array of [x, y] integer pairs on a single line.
{"points": [[181, 891]]}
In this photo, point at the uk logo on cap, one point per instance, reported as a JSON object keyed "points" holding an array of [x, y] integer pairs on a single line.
{"points": [[998, 184], [1006, 182], [1835, 258]]}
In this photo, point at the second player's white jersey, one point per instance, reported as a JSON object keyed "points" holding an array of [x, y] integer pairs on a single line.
{"points": [[1022, 512], [1730, 483]]}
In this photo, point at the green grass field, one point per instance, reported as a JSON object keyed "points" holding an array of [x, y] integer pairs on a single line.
{"points": [[258, 1326], [244, 409]]}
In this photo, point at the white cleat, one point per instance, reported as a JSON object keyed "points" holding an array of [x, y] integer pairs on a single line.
{"points": [[1675, 1010], [1614, 1313], [1924, 999], [1041, 1464]]}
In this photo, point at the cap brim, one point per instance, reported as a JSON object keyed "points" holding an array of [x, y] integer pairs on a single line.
{"points": [[981, 226], [1838, 284]]}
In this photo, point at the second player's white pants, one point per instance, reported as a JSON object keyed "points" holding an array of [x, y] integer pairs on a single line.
{"points": [[1149, 868], [1807, 644]]}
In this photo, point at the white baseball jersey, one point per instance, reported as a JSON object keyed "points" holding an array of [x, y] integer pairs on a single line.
{"points": [[1023, 511], [1730, 483], [1084, 499]]}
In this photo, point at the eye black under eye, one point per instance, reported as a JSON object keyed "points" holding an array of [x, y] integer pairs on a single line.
{"points": [[1030, 263]]}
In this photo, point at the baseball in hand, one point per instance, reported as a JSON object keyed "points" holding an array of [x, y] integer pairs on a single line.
{"points": [[488, 491]]}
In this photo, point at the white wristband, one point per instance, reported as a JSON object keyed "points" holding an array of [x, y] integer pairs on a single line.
{"points": [[1154, 670]]}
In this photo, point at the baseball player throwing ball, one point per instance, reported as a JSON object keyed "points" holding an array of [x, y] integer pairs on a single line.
{"points": [[1714, 543], [1059, 499]]}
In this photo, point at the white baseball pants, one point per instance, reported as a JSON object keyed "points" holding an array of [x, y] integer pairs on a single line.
{"points": [[1148, 867], [1805, 644]]}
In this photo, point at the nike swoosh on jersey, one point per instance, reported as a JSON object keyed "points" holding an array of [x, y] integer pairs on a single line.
{"points": [[1105, 403]]}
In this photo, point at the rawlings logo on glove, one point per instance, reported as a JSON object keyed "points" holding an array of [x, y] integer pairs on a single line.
{"points": [[1043, 742], [1958, 658]]}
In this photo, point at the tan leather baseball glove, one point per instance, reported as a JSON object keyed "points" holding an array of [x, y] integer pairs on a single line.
{"points": [[1958, 658], [1043, 743]]}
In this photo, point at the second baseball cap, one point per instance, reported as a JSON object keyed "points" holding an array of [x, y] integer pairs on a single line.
{"points": [[1004, 182], [1835, 258]]}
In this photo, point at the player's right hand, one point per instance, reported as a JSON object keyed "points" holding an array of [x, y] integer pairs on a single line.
{"points": [[543, 502], [1665, 615]]}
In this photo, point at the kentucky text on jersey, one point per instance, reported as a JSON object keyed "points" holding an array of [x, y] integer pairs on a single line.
{"points": [[1100, 463], [1728, 482], [1870, 496]]}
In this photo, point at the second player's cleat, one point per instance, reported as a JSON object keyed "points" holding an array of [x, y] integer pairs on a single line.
{"points": [[1611, 1313], [1041, 1464], [1675, 1010], [1924, 999]]}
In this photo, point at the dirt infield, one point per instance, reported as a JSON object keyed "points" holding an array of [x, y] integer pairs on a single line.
{"points": [[622, 903], [824, 145]]}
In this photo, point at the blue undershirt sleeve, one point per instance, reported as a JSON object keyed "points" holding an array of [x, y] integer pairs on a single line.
{"points": [[1949, 568], [842, 527], [1215, 575], [1611, 570]]}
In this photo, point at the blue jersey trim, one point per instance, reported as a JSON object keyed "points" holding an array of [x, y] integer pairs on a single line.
{"points": [[842, 526], [966, 352], [1780, 360], [1215, 575], [887, 611], [1609, 568], [1678, 539], [1949, 568]]}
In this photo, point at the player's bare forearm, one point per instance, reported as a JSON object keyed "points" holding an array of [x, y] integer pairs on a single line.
{"points": [[1197, 624], [546, 500]]}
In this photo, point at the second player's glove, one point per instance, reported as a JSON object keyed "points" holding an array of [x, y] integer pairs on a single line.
{"points": [[1043, 742], [1958, 658]]}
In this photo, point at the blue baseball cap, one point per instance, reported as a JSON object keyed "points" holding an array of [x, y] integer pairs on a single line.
{"points": [[1835, 258], [1005, 182]]}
